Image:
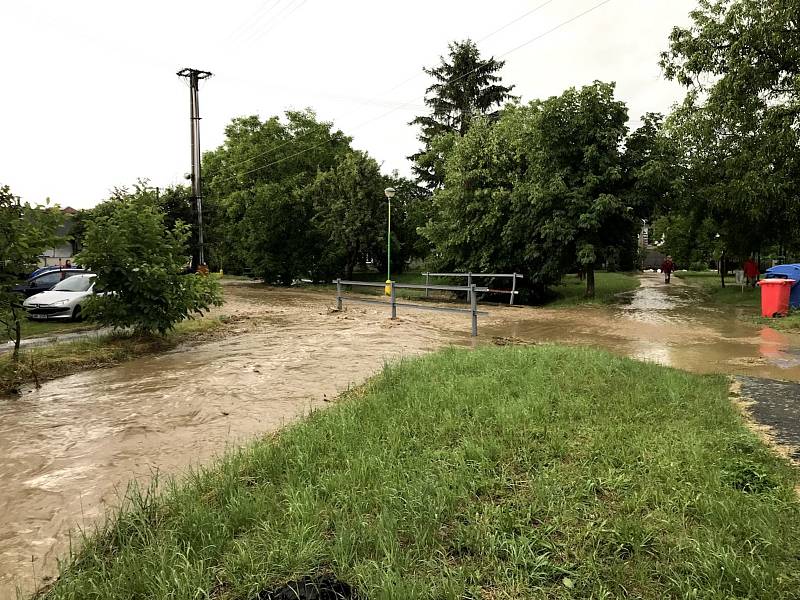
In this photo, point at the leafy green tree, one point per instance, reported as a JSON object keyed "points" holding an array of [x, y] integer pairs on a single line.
{"points": [[281, 242], [476, 228], [465, 87], [737, 126], [743, 50], [653, 170], [139, 260], [411, 210], [262, 218], [25, 232], [349, 210], [539, 192], [574, 184]]}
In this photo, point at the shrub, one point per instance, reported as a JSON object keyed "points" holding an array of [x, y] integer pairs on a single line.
{"points": [[139, 260]]}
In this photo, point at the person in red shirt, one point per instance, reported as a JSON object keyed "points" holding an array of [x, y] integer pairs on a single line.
{"points": [[667, 267], [751, 271]]}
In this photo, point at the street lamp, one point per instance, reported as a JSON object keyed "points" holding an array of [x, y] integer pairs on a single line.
{"points": [[390, 192]]}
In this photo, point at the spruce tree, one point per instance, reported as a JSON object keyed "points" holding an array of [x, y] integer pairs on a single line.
{"points": [[465, 87]]}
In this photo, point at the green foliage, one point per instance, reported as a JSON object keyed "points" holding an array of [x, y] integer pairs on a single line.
{"points": [[139, 261], [736, 130], [543, 472], [25, 232], [688, 240], [539, 191], [292, 200], [466, 87], [350, 211], [257, 193], [571, 290]]}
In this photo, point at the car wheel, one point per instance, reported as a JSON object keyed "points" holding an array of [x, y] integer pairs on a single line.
{"points": [[76, 314]]}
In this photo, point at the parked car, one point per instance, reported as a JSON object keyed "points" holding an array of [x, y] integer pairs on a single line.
{"points": [[45, 280], [63, 301]]}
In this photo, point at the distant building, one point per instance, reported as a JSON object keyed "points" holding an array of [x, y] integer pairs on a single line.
{"points": [[67, 249], [648, 248]]}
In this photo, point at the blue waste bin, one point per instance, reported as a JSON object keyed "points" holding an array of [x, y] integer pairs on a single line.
{"points": [[787, 272]]}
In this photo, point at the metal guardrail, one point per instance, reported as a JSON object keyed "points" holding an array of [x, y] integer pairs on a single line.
{"points": [[393, 303], [512, 292]]}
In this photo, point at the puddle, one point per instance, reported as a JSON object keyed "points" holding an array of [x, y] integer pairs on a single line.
{"points": [[67, 449]]}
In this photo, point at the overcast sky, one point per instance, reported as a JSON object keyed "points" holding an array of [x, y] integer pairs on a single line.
{"points": [[90, 98]]}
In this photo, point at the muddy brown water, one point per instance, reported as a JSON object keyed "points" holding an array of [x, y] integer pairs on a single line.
{"points": [[68, 449]]}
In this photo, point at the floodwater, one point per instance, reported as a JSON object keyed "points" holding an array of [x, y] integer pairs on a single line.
{"points": [[667, 324], [68, 449]]}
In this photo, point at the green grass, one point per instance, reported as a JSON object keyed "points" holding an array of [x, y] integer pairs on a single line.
{"points": [[31, 329], [790, 323], [734, 296], [543, 472], [46, 362], [571, 291], [731, 295]]}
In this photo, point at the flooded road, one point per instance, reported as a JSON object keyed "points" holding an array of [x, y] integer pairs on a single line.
{"points": [[68, 449]]}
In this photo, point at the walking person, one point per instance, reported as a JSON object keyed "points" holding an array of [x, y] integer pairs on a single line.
{"points": [[751, 271], [667, 267]]}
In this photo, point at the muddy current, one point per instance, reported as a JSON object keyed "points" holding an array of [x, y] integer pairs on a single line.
{"points": [[68, 449]]}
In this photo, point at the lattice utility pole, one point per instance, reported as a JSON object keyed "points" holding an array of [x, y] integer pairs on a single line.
{"points": [[194, 76]]}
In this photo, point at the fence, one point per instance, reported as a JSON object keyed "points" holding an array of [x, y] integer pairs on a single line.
{"points": [[512, 292], [393, 303]]}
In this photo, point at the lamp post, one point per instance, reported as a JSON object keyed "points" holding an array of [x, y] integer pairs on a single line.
{"points": [[390, 192]]}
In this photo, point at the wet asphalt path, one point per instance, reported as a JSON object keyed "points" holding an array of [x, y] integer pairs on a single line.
{"points": [[775, 404]]}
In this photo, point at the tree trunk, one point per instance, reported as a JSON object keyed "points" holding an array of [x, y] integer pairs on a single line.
{"points": [[590, 281], [17, 333], [722, 268], [348, 271]]}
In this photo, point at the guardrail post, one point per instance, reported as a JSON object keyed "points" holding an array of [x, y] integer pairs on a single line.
{"points": [[427, 275], [474, 305], [513, 288], [339, 294], [469, 285], [394, 304]]}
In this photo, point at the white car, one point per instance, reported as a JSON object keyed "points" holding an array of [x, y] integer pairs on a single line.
{"points": [[63, 301]]}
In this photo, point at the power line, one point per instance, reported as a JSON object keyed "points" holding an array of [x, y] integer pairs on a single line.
{"points": [[520, 46], [278, 20], [402, 83], [264, 9]]}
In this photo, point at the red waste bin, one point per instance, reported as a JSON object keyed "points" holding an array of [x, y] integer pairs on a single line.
{"points": [[775, 296]]}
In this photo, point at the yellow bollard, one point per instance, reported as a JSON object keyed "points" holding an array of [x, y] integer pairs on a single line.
{"points": [[221, 273], [387, 289]]}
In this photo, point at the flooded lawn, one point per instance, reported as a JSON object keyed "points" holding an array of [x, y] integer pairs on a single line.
{"points": [[68, 449]]}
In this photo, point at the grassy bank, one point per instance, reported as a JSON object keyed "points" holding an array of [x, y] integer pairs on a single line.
{"points": [[41, 363], [731, 295], [541, 472], [748, 299], [571, 291]]}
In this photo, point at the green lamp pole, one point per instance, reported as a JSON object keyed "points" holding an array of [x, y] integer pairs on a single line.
{"points": [[390, 192]]}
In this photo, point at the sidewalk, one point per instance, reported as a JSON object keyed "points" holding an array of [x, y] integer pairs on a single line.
{"points": [[54, 339]]}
